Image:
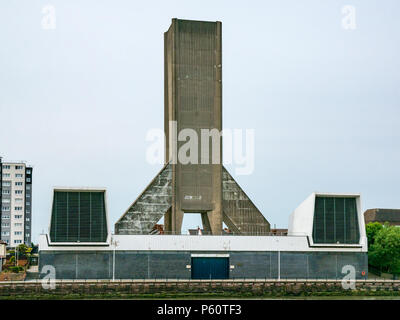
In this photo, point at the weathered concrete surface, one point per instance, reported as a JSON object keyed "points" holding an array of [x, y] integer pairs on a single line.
{"points": [[240, 214], [149, 207], [193, 100]]}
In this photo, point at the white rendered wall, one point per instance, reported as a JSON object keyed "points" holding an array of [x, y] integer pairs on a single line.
{"points": [[201, 243]]}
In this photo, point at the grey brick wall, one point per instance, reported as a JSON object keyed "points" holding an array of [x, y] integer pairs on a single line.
{"points": [[172, 265]]}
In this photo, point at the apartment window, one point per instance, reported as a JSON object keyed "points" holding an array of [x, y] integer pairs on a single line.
{"points": [[17, 233], [27, 219], [17, 241], [18, 200], [3, 225], [27, 235], [28, 195], [27, 227], [5, 233], [28, 171], [6, 167], [5, 217], [6, 183], [28, 187], [6, 175], [19, 167], [28, 203], [18, 208], [18, 183], [5, 208], [18, 224], [19, 175], [6, 192], [28, 211], [18, 191], [28, 179], [18, 216], [5, 200]]}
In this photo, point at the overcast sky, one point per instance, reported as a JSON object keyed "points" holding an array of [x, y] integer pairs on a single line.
{"points": [[77, 101]]}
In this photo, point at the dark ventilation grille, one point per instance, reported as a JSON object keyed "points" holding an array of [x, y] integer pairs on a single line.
{"points": [[335, 220], [78, 217]]}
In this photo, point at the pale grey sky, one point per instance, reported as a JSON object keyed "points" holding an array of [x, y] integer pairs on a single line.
{"points": [[76, 102]]}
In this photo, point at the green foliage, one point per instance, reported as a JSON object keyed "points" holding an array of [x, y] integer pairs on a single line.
{"points": [[12, 260], [372, 229], [16, 269], [384, 253], [23, 249]]}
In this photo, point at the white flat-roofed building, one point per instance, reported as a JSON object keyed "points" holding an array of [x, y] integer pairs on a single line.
{"points": [[326, 234]]}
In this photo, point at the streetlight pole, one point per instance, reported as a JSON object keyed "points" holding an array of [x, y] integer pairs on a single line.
{"points": [[114, 243]]}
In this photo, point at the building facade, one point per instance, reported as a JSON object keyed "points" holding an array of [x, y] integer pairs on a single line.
{"points": [[326, 236], [391, 216], [16, 203]]}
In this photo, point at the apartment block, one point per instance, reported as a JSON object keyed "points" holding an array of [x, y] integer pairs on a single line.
{"points": [[16, 203]]}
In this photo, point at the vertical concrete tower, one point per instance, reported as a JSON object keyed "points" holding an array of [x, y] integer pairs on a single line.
{"points": [[197, 183], [193, 100]]}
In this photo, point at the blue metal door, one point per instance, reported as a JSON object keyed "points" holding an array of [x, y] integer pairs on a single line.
{"points": [[210, 268]]}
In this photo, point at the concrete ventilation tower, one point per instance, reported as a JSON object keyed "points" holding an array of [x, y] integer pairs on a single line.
{"points": [[193, 100]]}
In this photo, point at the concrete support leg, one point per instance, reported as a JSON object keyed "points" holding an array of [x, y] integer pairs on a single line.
{"points": [[206, 223], [215, 219]]}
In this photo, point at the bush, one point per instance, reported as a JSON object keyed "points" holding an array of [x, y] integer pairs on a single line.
{"points": [[384, 253], [372, 230], [16, 269]]}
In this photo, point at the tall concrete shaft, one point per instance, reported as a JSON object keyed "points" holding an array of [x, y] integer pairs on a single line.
{"points": [[193, 100]]}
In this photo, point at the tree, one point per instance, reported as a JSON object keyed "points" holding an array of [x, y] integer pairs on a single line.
{"points": [[372, 229], [384, 253], [23, 249]]}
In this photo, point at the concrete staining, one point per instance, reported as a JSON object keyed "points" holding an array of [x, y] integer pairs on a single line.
{"points": [[149, 207], [193, 100], [239, 213]]}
